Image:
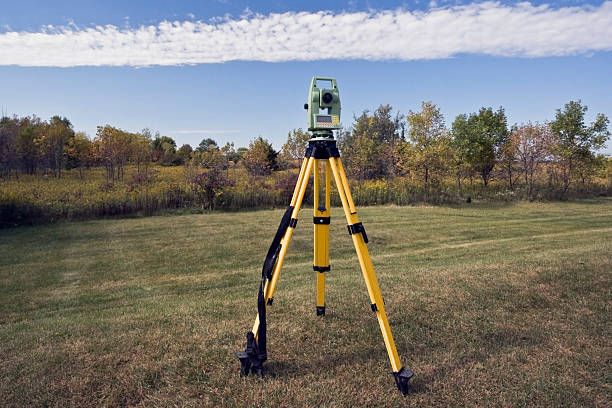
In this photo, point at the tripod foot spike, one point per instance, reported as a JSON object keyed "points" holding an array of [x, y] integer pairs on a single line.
{"points": [[402, 378], [320, 310], [250, 360]]}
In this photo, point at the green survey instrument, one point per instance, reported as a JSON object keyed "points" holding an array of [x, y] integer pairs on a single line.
{"points": [[323, 123], [322, 158]]}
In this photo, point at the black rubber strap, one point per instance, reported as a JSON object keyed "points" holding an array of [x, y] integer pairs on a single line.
{"points": [[266, 274], [320, 268]]}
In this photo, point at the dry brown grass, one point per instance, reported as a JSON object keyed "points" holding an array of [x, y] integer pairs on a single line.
{"points": [[504, 305]]}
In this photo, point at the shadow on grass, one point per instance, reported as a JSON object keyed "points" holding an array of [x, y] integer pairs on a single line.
{"points": [[282, 368]]}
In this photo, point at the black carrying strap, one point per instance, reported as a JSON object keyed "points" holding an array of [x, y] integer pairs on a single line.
{"points": [[256, 353]]}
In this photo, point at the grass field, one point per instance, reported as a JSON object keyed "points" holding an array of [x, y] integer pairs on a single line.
{"points": [[490, 305]]}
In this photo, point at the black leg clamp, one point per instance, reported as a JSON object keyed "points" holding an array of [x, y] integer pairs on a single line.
{"points": [[250, 359], [356, 229], [321, 220], [401, 379]]}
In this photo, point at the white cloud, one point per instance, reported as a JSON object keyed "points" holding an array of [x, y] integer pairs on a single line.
{"points": [[490, 28], [203, 132]]}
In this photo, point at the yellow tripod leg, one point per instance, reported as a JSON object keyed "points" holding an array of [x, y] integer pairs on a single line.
{"points": [[402, 376], [321, 233], [296, 203]]}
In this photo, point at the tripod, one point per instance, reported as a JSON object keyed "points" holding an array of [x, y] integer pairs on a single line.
{"points": [[321, 152]]}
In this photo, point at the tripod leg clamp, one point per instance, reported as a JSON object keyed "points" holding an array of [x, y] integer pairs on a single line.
{"points": [[321, 220], [402, 377], [356, 229]]}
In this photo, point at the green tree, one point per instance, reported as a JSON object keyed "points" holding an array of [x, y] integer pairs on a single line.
{"points": [[213, 158], [479, 137], [184, 152], [240, 152], [577, 144], [206, 145], [294, 148], [370, 148], [260, 158], [428, 152], [164, 150], [230, 153]]}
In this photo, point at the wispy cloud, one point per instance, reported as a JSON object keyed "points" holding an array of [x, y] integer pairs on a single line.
{"points": [[203, 132], [491, 28]]}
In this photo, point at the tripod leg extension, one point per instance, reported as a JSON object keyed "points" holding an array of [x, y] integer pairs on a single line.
{"points": [[296, 203], [255, 353], [321, 232], [402, 375]]}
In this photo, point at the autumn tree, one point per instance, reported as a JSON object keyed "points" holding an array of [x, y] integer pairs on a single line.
{"points": [[53, 141], [28, 141], [428, 152], [9, 131], [478, 137], [231, 154], [507, 159], [576, 143], [79, 152], [260, 158], [533, 144], [114, 148]]}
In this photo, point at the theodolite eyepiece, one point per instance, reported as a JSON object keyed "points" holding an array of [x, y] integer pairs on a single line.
{"points": [[320, 99]]}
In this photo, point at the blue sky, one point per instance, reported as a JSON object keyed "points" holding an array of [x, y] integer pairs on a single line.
{"points": [[235, 70]]}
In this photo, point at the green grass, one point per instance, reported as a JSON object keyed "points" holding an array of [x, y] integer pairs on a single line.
{"points": [[490, 305]]}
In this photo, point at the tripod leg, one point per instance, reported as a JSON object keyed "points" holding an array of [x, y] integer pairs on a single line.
{"points": [[402, 375], [296, 203], [321, 233]]}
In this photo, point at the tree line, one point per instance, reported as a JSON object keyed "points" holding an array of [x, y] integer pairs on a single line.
{"points": [[477, 146]]}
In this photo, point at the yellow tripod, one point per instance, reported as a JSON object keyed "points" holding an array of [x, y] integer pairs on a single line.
{"points": [[321, 152]]}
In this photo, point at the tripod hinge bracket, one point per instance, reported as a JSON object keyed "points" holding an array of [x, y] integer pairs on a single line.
{"points": [[322, 149], [320, 269], [356, 229], [293, 222], [321, 220]]}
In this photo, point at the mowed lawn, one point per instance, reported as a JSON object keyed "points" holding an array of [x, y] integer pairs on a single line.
{"points": [[490, 305]]}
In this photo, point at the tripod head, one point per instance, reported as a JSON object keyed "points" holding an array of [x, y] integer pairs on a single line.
{"points": [[322, 124]]}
